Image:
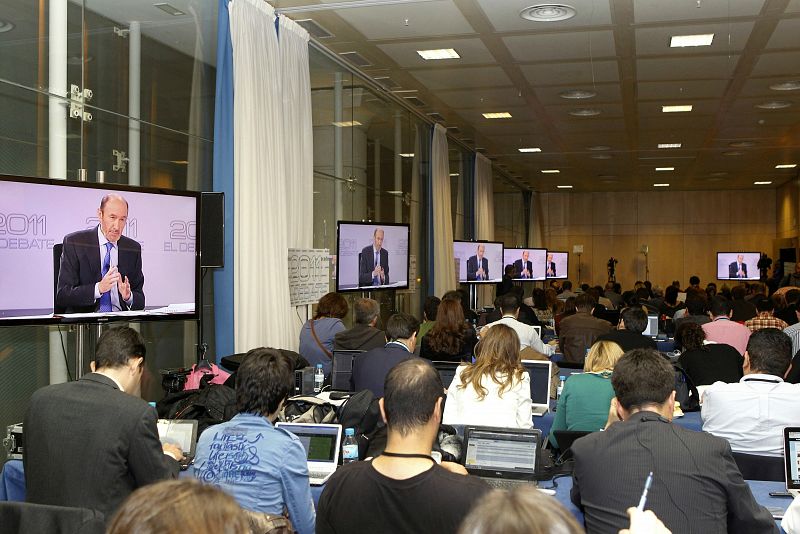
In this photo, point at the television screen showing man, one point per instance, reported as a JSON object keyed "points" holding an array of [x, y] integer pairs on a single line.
{"points": [[738, 265], [371, 256], [556, 264], [479, 261], [528, 263], [550, 266], [373, 266], [101, 269]]}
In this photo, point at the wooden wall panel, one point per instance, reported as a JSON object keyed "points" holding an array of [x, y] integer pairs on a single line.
{"points": [[788, 204]]}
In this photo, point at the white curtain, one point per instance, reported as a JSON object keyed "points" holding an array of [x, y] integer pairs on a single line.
{"points": [[443, 261], [484, 214], [261, 293], [536, 223]]}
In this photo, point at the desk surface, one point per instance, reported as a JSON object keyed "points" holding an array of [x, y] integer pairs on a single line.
{"points": [[690, 421]]}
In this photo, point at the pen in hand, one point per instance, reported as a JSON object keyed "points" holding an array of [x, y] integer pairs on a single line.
{"points": [[643, 499]]}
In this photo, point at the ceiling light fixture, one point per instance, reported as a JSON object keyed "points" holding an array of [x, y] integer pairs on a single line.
{"points": [[660, 169], [530, 149], [453, 174], [550, 171], [792, 85], [564, 186], [601, 156], [660, 185], [585, 112], [394, 192], [682, 41], [577, 94], [407, 155], [762, 183], [669, 145], [597, 148], [676, 109], [439, 53], [733, 153], [742, 144], [172, 10], [786, 166], [775, 104], [6, 26], [497, 115], [346, 124], [548, 12]]}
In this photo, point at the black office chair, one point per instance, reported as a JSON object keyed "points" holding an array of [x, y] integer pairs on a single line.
{"points": [[755, 467], [565, 439], [23, 517], [446, 370]]}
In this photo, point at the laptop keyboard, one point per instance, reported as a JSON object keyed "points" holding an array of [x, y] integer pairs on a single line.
{"points": [[502, 483]]}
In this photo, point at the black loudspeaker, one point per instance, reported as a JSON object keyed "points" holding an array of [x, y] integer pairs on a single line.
{"points": [[212, 225], [788, 254], [304, 381]]}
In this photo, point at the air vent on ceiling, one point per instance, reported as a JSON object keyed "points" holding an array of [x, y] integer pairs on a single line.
{"points": [[314, 29], [467, 140], [356, 59], [454, 129], [416, 101], [387, 82]]}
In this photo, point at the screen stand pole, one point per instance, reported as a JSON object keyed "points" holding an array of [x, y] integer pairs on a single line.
{"points": [[579, 269], [82, 344], [473, 296]]}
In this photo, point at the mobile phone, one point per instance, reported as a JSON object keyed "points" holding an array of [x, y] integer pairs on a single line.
{"points": [[780, 494]]}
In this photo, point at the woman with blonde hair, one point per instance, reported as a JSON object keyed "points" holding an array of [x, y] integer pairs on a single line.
{"points": [[586, 397], [496, 389]]}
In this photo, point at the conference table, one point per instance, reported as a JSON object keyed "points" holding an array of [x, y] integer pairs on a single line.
{"points": [[689, 421]]}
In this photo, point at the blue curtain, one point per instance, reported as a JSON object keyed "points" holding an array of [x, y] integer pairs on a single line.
{"points": [[223, 181]]}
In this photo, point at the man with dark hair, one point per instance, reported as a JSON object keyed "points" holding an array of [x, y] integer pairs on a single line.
{"points": [[765, 317], [263, 467], [566, 291], [612, 293], [628, 335], [92, 442], [741, 308], [403, 489], [694, 281], [373, 262], [364, 335], [509, 307], [611, 467], [751, 414], [370, 368], [722, 329], [579, 331], [429, 310], [696, 309]]}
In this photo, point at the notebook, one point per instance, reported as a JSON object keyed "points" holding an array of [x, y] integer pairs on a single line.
{"points": [[342, 369], [502, 457], [321, 443], [539, 371], [791, 458], [180, 432]]}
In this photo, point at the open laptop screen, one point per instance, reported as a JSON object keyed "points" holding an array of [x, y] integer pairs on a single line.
{"points": [[319, 441], [501, 450], [791, 439], [342, 369], [652, 326], [179, 432], [539, 372]]}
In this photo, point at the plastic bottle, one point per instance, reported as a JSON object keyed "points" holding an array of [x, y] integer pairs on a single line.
{"points": [[561, 380], [349, 446], [319, 378]]}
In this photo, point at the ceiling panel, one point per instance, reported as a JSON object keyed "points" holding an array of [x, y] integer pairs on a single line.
{"points": [[778, 64], [407, 21], [786, 34], [571, 73], [793, 7], [483, 98], [690, 68], [686, 10], [472, 51], [554, 46], [668, 122], [448, 79], [597, 125], [727, 37], [504, 15], [688, 89]]}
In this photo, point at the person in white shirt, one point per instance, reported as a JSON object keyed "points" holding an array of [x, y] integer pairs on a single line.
{"points": [[751, 413], [791, 518], [493, 391], [509, 307]]}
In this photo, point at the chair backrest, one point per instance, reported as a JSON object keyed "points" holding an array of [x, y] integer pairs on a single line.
{"points": [[566, 438], [57, 249], [23, 517], [754, 467]]}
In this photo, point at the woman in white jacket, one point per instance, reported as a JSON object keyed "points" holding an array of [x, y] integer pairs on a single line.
{"points": [[496, 389]]}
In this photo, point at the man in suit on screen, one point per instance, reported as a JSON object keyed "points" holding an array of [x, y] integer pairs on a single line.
{"points": [[478, 265], [101, 269], [373, 264], [738, 268], [551, 266], [524, 267]]}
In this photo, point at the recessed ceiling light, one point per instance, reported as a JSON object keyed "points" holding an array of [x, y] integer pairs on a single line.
{"points": [[775, 104], [550, 171], [601, 156], [172, 10], [530, 149], [793, 85], [577, 94], [669, 145], [676, 109], [6, 26], [732, 153], [548, 12], [346, 124], [454, 174], [665, 169], [762, 183], [681, 41], [439, 53], [564, 186], [585, 112], [405, 90], [497, 115], [597, 148], [742, 144], [395, 192], [719, 173], [407, 155], [786, 166], [660, 185]]}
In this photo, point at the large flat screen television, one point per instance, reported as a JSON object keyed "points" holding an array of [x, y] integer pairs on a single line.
{"points": [[556, 264], [738, 265], [528, 262], [63, 258], [371, 256], [479, 261]]}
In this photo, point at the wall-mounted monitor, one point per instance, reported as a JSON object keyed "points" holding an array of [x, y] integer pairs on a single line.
{"points": [[479, 261], [88, 252], [371, 256], [738, 265], [556, 264], [529, 263]]}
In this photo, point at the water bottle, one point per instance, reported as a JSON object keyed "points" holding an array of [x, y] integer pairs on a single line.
{"points": [[349, 446], [561, 380], [319, 378]]}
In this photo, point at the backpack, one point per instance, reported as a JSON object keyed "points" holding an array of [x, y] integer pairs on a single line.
{"points": [[209, 406], [362, 413], [307, 409], [685, 391]]}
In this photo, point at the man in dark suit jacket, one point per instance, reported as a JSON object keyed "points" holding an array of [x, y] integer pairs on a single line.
{"points": [[523, 266], [550, 267], [611, 467], [579, 331], [478, 266], [92, 442], [364, 335], [628, 335], [83, 286], [370, 272], [370, 368], [738, 268]]}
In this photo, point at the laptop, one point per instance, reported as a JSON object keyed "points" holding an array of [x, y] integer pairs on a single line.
{"points": [[652, 326], [791, 458], [539, 371], [538, 331], [321, 443], [180, 432], [503, 457], [342, 369]]}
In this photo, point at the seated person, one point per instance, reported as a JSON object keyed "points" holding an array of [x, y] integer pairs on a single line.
{"points": [[706, 363], [722, 329], [543, 312], [370, 368], [741, 308], [584, 402], [578, 332], [751, 413], [429, 311], [316, 336], [364, 335], [628, 335], [403, 490], [496, 389], [526, 314], [696, 309], [699, 489], [266, 470], [670, 303], [765, 318], [452, 339], [510, 308]]}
